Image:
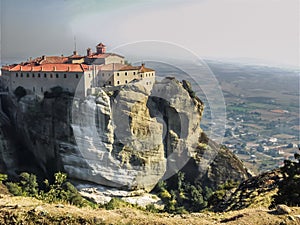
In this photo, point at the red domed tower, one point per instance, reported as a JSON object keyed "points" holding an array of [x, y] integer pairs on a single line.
{"points": [[101, 48]]}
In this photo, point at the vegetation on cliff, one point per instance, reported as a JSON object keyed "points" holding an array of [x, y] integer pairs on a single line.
{"points": [[289, 187], [60, 190]]}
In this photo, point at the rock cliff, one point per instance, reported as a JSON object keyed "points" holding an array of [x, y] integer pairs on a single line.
{"points": [[121, 137]]}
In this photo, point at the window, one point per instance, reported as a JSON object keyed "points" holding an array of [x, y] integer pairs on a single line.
{"points": [[39, 75], [51, 75], [33, 75], [125, 73], [45, 75], [141, 75], [77, 76], [102, 74], [118, 74], [42, 90], [118, 82], [125, 81], [17, 74], [57, 76], [133, 73], [27, 75], [33, 89], [89, 75], [65, 75], [21, 75], [109, 82]]}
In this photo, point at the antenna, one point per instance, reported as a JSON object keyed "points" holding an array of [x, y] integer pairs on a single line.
{"points": [[75, 43]]}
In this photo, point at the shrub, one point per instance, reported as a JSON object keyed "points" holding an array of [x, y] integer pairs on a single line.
{"points": [[3, 177], [183, 196], [27, 186], [116, 203], [152, 208], [60, 191], [289, 187]]}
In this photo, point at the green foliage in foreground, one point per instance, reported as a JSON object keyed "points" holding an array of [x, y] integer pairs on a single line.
{"points": [[60, 191], [221, 193], [116, 203], [185, 197], [3, 177], [289, 187]]}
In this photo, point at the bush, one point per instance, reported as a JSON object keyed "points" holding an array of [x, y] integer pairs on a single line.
{"points": [[116, 203], [60, 191], [152, 208], [289, 187], [3, 177], [27, 186], [222, 191], [183, 196]]}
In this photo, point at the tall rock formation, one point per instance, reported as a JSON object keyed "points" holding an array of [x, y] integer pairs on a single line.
{"points": [[123, 137]]}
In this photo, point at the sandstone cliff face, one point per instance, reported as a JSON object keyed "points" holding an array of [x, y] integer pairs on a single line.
{"points": [[123, 137]]}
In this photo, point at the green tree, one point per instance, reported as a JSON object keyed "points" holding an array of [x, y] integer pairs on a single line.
{"points": [[289, 187], [27, 186]]}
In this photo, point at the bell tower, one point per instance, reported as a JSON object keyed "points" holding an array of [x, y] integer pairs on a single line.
{"points": [[100, 48]]}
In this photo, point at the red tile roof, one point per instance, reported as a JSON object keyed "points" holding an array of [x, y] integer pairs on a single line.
{"points": [[102, 56], [49, 59], [111, 66], [51, 67], [141, 68]]}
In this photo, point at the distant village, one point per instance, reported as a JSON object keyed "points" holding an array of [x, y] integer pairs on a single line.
{"points": [[75, 73]]}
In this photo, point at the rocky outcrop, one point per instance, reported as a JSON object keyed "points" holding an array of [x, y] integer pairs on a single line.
{"points": [[123, 137], [254, 192]]}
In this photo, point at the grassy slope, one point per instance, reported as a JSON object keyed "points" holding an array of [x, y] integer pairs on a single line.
{"points": [[32, 211]]}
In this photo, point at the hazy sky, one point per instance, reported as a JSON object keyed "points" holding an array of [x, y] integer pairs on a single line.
{"points": [[258, 29]]}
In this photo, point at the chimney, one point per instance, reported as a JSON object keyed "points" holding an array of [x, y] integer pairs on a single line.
{"points": [[75, 52], [89, 52], [43, 57]]}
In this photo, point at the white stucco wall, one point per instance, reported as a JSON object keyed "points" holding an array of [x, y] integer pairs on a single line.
{"points": [[40, 82]]}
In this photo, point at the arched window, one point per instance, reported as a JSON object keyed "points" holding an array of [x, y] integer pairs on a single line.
{"points": [[118, 82]]}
